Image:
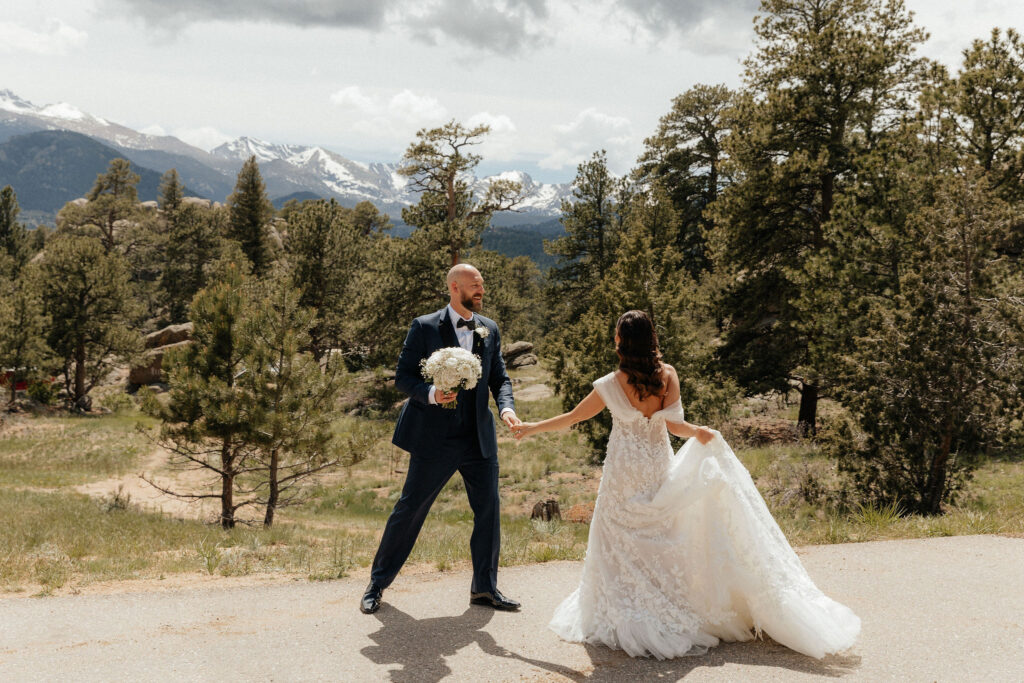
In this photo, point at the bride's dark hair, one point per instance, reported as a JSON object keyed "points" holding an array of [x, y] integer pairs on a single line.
{"points": [[639, 356]]}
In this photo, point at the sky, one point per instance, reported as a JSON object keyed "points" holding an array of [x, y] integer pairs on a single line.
{"points": [[556, 80]]}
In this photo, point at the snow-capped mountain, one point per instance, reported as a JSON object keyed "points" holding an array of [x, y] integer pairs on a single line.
{"points": [[286, 169]]}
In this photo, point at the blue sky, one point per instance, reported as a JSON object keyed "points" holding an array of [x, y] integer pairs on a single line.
{"points": [[556, 79]]}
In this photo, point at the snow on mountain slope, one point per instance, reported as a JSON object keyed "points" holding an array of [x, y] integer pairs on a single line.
{"points": [[286, 168]]}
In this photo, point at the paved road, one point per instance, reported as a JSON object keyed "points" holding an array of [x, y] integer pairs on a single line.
{"points": [[946, 609]]}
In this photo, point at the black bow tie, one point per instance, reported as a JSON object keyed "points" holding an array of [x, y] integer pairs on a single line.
{"points": [[471, 324]]}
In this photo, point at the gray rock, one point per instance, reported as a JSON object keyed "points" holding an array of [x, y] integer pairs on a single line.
{"points": [[198, 201], [517, 348], [150, 370], [172, 334], [522, 361]]}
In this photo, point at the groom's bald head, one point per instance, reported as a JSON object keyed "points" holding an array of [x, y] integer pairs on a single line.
{"points": [[466, 288]]}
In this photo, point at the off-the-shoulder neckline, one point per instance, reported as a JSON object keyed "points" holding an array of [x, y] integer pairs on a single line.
{"points": [[610, 378]]}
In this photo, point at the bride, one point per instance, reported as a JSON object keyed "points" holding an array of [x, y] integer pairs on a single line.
{"points": [[682, 550]]}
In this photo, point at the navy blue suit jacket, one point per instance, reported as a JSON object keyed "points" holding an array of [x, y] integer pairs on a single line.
{"points": [[421, 425]]}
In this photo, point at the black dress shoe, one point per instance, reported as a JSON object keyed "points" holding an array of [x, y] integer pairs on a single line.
{"points": [[495, 600], [371, 599]]}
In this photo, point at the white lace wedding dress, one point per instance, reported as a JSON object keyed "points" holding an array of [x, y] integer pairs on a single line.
{"points": [[683, 552]]}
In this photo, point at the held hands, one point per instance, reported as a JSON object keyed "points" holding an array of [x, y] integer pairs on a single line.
{"points": [[445, 396], [511, 421], [523, 429]]}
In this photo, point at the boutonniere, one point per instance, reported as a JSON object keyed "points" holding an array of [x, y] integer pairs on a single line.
{"points": [[482, 331]]}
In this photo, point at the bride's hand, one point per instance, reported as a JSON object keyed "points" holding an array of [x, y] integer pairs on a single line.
{"points": [[523, 429], [704, 435]]}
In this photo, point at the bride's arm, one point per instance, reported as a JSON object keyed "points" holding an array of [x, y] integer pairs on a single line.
{"points": [[684, 429], [584, 410]]}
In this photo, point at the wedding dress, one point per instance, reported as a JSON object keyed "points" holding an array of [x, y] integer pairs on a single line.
{"points": [[683, 552]]}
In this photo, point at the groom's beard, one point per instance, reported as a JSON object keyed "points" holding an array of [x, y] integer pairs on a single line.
{"points": [[472, 304]]}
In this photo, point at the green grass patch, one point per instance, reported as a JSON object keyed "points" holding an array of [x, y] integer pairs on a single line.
{"points": [[71, 450]]}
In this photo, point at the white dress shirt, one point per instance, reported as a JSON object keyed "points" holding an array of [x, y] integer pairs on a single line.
{"points": [[465, 337]]}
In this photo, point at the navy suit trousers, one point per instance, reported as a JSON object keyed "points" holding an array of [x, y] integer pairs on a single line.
{"points": [[428, 472]]}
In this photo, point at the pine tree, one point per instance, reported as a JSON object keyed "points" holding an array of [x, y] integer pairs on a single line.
{"points": [[191, 245], [209, 418], [87, 296], [251, 213], [326, 250], [933, 378], [14, 241], [171, 191], [293, 421], [685, 156], [23, 327], [592, 221], [827, 79], [437, 165]]}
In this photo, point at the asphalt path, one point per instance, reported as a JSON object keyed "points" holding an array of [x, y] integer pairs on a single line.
{"points": [[943, 609]]}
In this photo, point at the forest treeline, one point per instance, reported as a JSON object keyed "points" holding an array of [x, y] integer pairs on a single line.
{"points": [[847, 225]]}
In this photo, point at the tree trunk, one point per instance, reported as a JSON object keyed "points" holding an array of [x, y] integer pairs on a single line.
{"points": [[936, 487], [79, 372], [806, 422], [227, 486], [272, 497]]}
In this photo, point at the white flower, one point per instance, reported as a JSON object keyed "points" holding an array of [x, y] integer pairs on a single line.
{"points": [[482, 331], [451, 368]]}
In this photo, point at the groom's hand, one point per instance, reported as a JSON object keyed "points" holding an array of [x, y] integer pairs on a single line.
{"points": [[511, 420], [445, 396]]}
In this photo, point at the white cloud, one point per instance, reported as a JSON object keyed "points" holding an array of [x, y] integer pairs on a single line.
{"points": [[55, 38], [204, 137], [589, 132], [354, 97], [391, 120], [502, 142], [409, 106]]}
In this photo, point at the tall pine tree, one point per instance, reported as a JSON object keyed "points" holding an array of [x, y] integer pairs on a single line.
{"points": [[251, 212]]}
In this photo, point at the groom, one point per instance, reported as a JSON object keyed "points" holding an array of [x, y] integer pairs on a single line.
{"points": [[442, 441]]}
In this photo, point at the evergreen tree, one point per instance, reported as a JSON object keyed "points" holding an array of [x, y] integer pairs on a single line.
{"points": [[23, 327], [933, 380], [112, 207], [326, 251], [591, 221], [192, 244], [14, 240], [171, 191], [685, 155], [251, 213], [828, 77], [87, 296], [438, 164], [209, 418], [293, 421]]}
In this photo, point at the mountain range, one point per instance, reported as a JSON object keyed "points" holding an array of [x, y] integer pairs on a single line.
{"points": [[52, 154]]}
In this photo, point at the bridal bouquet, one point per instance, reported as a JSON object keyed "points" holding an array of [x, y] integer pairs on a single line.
{"points": [[450, 368]]}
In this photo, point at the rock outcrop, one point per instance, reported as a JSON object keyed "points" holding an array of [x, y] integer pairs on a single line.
{"points": [[519, 354]]}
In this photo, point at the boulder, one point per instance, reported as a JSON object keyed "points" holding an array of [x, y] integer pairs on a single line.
{"points": [[81, 201], [197, 201], [516, 349], [151, 205], [149, 371], [546, 510], [522, 361], [172, 334]]}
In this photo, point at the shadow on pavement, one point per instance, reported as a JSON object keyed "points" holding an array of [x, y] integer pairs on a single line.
{"points": [[420, 646], [614, 665]]}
